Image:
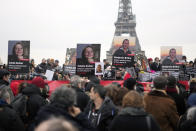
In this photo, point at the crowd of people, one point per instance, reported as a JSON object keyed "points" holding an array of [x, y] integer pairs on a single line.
{"points": [[87, 105], [84, 104]]}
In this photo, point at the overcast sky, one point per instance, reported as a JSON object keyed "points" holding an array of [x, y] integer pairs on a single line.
{"points": [[54, 25]]}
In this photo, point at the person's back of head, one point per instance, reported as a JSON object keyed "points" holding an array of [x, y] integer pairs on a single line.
{"points": [[191, 114], [100, 90], [4, 96], [64, 95], [160, 82], [56, 124], [75, 81], [3, 72], [130, 83], [94, 79], [133, 99], [171, 82]]}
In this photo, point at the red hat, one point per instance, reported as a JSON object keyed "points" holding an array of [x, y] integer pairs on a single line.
{"points": [[39, 82], [150, 59]]}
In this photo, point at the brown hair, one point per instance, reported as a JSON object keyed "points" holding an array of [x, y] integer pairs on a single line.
{"points": [[132, 99], [115, 93]]}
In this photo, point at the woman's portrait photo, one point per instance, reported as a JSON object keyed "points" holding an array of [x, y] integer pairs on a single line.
{"points": [[18, 50], [99, 68], [88, 54]]}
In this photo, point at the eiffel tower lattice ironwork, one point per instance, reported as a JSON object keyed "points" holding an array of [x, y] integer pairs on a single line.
{"points": [[125, 24]]}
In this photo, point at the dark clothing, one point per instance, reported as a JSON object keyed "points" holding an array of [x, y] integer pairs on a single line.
{"points": [[163, 109], [103, 117], [82, 98], [60, 110], [34, 102], [180, 102], [120, 52], [133, 119], [9, 120], [155, 66], [167, 61], [5, 85]]}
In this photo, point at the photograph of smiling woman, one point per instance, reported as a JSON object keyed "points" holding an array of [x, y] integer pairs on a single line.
{"points": [[19, 52]]}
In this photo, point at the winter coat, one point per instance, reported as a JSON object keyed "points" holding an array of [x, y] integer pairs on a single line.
{"points": [[180, 102], [133, 119], [104, 115], [34, 102], [82, 98], [163, 109], [59, 110], [155, 66], [9, 120], [5, 85]]}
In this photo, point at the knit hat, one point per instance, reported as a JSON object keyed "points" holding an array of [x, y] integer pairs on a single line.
{"points": [[3, 73], [39, 82]]}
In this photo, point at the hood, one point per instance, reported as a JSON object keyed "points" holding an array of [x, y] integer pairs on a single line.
{"points": [[29, 90], [133, 111]]}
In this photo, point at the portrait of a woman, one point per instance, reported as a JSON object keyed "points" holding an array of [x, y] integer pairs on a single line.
{"points": [[87, 56], [18, 53]]}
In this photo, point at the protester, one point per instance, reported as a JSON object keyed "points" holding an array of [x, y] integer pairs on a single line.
{"points": [[4, 82], [100, 109], [133, 116], [116, 94], [173, 92], [82, 98], [9, 120], [189, 124], [62, 104], [35, 100], [156, 66], [130, 83], [192, 97], [56, 124], [161, 106]]}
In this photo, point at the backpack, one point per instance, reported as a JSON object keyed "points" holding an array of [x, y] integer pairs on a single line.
{"points": [[19, 104]]}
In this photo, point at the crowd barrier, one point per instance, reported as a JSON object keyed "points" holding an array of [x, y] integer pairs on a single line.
{"points": [[54, 84]]}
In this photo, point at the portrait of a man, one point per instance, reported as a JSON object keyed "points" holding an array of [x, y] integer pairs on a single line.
{"points": [[171, 59]]}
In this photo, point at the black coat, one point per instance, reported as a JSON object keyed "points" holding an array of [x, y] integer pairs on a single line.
{"points": [[180, 102], [60, 110], [133, 119], [82, 98], [34, 102], [155, 66], [105, 114], [9, 120]]}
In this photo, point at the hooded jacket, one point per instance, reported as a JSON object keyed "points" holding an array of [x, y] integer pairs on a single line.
{"points": [[102, 117]]}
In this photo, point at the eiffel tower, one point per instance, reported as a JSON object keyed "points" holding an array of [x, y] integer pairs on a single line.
{"points": [[125, 24]]}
